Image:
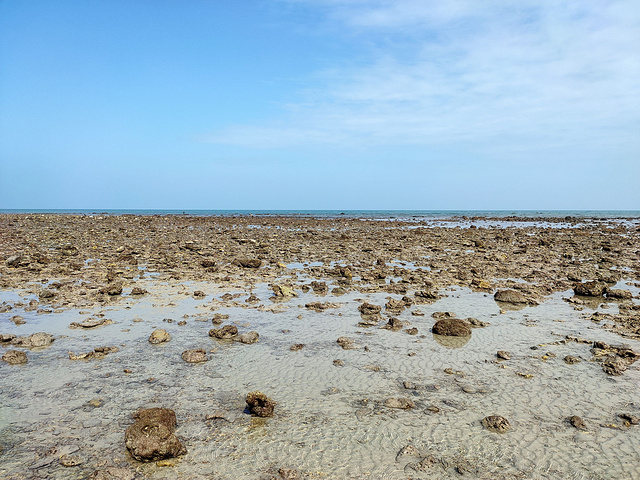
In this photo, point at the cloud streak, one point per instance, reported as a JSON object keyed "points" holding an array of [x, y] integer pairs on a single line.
{"points": [[520, 74]]}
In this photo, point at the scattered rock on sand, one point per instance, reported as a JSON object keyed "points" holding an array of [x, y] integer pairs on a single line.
{"points": [[137, 291], [614, 365], [159, 335], [619, 294], [283, 291], [260, 405], [571, 360], [452, 327], [577, 422], [590, 289], [503, 355], [248, 338], [194, 356], [346, 343], [151, 437], [510, 296], [369, 309], [249, 262], [228, 331], [35, 340], [14, 357], [496, 423]]}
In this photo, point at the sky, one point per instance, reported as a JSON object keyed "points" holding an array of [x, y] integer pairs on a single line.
{"points": [[320, 104]]}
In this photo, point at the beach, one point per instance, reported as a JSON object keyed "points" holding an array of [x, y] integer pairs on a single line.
{"points": [[332, 318]]}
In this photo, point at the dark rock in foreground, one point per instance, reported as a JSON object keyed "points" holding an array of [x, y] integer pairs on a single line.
{"points": [[496, 423], [151, 437], [260, 405], [452, 327], [590, 289]]}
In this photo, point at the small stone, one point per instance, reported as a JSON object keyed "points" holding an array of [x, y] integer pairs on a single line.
{"points": [[496, 423], [577, 422], [503, 355], [194, 356], [346, 343], [451, 327], [14, 357], [338, 363], [296, 347], [248, 338], [260, 405], [70, 460], [571, 360], [228, 331], [160, 335]]}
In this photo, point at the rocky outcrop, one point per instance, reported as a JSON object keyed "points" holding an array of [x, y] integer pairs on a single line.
{"points": [[152, 437], [260, 405]]}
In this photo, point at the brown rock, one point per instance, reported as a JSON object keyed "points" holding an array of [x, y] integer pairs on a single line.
{"points": [[503, 355], [151, 437], [14, 357], [496, 423], [590, 289], [248, 338], [260, 405], [194, 356], [614, 365], [577, 422], [571, 360], [369, 309], [510, 296], [346, 343], [452, 327], [228, 331], [159, 335], [249, 262]]}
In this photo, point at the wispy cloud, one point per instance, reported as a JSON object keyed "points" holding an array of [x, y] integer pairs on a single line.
{"points": [[520, 72]]}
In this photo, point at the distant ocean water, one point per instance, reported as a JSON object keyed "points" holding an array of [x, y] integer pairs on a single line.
{"points": [[382, 214]]}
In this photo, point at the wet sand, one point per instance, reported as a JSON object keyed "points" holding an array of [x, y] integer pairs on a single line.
{"points": [[335, 415]]}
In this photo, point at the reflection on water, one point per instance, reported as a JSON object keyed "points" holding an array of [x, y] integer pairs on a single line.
{"points": [[330, 419], [451, 342]]}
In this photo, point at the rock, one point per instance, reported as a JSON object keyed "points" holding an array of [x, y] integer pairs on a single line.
{"points": [[296, 347], [194, 356], [320, 306], [218, 318], [159, 335], [96, 353], [252, 299], [151, 437], [451, 327], [319, 288], [614, 365], [629, 419], [283, 291], [14, 357], [228, 331], [394, 324], [6, 337], [496, 423], [288, 474], [571, 360], [249, 262], [369, 309], [260, 405], [248, 338], [138, 291], [18, 320], [510, 296], [91, 323], [16, 261], [423, 296], [208, 263], [590, 289], [46, 294], [35, 340], [577, 422], [395, 305], [199, 294], [618, 293], [503, 355], [346, 343], [112, 289], [475, 323], [113, 473], [412, 331], [338, 363], [401, 402]]}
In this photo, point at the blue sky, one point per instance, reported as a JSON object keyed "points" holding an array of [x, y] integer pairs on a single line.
{"points": [[320, 104]]}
